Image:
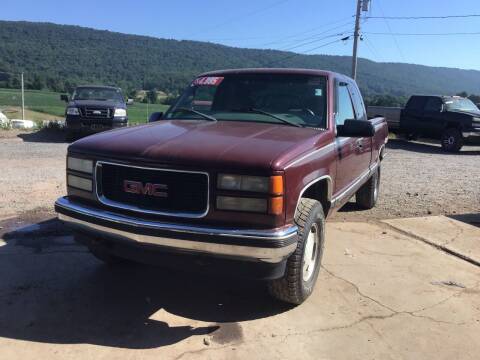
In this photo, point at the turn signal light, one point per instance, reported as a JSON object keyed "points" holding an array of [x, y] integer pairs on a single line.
{"points": [[275, 205], [276, 185]]}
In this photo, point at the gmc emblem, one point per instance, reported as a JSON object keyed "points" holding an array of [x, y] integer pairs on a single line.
{"points": [[137, 187]]}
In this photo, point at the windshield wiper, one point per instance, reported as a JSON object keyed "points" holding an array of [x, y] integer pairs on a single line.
{"points": [[260, 111], [205, 116]]}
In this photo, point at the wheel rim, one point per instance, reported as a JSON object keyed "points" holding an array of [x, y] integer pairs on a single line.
{"points": [[310, 253], [450, 140]]}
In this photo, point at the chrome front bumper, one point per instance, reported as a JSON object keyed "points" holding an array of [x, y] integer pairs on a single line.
{"points": [[271, 246]]}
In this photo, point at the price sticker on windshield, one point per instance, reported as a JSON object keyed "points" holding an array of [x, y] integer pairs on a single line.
{"points": [[207, 81]]}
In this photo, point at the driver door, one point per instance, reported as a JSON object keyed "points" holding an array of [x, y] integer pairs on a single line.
{"points": [[353, 154]]}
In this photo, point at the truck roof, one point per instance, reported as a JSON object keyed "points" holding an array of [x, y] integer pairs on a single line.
{"points": [[439, 96], [272, 71], [98, 86]]}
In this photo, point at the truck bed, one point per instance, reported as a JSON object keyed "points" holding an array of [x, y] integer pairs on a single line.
{"points": [[391, 115]]}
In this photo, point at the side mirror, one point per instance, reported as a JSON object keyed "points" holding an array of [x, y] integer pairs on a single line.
{"points": [[356, 128], [155, 117], [64, 97], [129, 101]]}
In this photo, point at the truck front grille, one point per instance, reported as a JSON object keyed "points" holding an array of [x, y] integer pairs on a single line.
{"points": [[153, 191], [94, 112]]}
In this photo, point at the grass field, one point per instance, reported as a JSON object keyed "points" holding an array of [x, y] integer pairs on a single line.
{"points": [[49, 103]]}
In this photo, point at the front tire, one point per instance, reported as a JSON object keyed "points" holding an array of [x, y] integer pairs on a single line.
{"points": [[303, 265], [452, 140]]}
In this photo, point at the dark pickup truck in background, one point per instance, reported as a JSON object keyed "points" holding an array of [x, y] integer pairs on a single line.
{"points": [[237, 177], [453, 120], [93, 109]]}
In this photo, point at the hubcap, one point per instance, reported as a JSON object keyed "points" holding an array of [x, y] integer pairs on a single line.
{"points": [[310, 254]]}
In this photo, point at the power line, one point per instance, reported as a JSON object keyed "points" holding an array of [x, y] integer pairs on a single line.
{"points": [[243, 16], [314, 41], [424, 34], [315, 37], [293, 36], [422, 17], [307, 51], [372, 48], [391, 32]]}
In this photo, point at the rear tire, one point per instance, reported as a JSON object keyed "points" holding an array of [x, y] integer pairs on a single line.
{"points": [[303, 265], [367, 196], [452, 140]]}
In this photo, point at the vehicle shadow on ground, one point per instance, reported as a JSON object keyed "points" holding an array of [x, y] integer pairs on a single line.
{"points": [[44, 136], [54, 291], [471, 219], [427, 148]]}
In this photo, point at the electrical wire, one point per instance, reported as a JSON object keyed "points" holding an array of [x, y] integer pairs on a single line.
{"points": [[307, 51], [391, 32], [238, 17], [372, 48], [315, 37], [424, 34], [295, 36], [422, 17]]}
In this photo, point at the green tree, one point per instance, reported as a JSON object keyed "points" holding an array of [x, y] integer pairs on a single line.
{"points": [[152, 96]]}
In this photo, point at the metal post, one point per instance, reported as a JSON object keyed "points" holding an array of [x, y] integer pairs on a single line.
{"points": [[356, 35], [23, 100]]}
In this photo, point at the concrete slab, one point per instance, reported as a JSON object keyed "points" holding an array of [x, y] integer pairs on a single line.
{"points": [[455, 236], [380, 295]]}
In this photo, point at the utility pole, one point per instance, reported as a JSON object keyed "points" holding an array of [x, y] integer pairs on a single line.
{"points": [[356, 35], [23, 100]]}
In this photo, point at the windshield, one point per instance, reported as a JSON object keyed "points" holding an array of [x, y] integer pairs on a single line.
{"points": [[287, 99], [461, 104], [97, 93]]}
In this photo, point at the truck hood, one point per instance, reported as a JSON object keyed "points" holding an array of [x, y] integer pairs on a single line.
{"points": [[204, 144], [470, 113], [99, 103]]}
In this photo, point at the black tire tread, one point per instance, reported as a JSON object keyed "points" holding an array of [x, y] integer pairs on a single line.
{"points": [[288, 288], [459, 140], [365, 196]]}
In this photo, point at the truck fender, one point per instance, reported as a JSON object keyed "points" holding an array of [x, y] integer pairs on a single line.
{"points": [[320, 189]]}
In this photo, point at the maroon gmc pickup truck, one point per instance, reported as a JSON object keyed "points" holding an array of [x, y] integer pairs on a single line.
{"points": [[237, 177]]}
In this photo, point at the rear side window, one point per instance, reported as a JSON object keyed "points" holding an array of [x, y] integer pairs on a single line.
{"points": [[357, 103], [344, 105], [416, 103], [433, 104]]}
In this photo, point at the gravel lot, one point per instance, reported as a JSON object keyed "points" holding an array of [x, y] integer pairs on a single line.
{"points": [[417, 178]]}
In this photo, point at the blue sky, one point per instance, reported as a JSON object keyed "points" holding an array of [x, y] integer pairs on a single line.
{"points": [[299, 25]]}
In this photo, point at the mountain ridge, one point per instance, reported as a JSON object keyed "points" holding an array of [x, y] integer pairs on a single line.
{"points": [[59, 57]]}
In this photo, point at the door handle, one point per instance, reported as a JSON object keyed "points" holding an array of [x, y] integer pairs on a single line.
{"points": [[359, 143]]}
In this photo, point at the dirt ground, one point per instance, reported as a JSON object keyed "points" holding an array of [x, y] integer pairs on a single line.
{"points": [[380, 295], [417, 178]]}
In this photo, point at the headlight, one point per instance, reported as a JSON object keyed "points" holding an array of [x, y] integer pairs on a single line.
{"points": [[242, 204], [72, 111], [79, 182], [243, 183], [120, 113], [476, 120], [81, 165]]}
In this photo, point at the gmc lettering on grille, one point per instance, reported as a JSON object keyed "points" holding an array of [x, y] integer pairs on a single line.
{"points": [[137, 187]]}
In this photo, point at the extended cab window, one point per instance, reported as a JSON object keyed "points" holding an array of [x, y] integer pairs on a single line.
{"points": [[344, 109], [433, 104], [256, 97], [358, 105], [415, 103]]}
